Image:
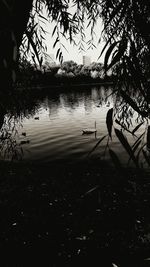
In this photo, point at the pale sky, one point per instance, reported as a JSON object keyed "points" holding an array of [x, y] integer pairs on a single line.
{"points": [[73, 52]]}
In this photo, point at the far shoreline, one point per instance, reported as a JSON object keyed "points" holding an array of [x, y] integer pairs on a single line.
{"points": [[62, 85]]}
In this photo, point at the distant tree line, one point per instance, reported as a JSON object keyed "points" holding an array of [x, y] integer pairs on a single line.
{"points": [[68, 73]]}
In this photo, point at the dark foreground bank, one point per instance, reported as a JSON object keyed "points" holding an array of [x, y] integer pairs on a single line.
{"points": [[83, 214]]}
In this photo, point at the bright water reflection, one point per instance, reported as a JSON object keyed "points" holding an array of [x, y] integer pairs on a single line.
{"points": [[54, 130], [58, 132]]}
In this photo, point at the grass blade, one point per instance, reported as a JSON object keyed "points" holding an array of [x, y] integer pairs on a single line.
{"points": [[91, 190]]}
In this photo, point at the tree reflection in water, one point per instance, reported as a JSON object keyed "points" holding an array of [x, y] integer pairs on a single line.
{"points": [[124, 118], [13, 110]]}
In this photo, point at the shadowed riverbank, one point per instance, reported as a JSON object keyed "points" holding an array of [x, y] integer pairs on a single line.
{"points": [[75, 211], [68, 214]]}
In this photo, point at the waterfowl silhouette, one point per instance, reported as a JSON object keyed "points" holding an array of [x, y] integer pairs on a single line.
{"points": [[23, 142], [90, 131]]}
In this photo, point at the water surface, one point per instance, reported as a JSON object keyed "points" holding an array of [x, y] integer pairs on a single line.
{"points": [[54, 130]]}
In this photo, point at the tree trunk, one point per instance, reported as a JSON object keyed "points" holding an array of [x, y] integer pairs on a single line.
{"points": [[14, 15]]}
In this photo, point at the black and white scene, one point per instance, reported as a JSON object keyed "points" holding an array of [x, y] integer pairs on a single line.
{"points": [[74, 133]]}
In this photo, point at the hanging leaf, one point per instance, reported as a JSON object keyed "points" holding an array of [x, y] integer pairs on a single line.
{"points": [[60, 56], [115, 158], [114, 60], [32, 30], [138, 154], [117, 56], [57, 53], [132, 103], [114, 12], [126, 145], [108, 53], [122, 126], [97, 144], [56, 41], [148, 138], [106, 44], [135, 148], [1, 120], [137, 140], [7, 6], [133, 72], [33, 45], [64, 47], [137, 127], [42, 17], [146, 157], [109, 121], [54, 30], [104, 48]]}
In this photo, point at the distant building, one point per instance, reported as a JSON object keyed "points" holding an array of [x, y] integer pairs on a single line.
{"points": [[86, 60]]}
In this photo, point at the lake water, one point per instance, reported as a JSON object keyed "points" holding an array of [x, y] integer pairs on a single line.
{"points": [[54, 130]]}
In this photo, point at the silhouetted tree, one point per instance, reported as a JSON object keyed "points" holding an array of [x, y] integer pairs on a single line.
{"points": [[14, 16], [126, 31], [127, 35], [16, 19], [69, 66]]}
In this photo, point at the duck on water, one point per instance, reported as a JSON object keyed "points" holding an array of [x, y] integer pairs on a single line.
{"points": [[90, 130]]}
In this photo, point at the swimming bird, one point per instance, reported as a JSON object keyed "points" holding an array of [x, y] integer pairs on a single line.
{"points": [[90, 131], [23, 142]]}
